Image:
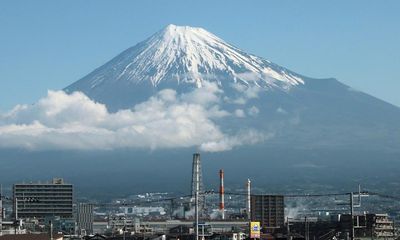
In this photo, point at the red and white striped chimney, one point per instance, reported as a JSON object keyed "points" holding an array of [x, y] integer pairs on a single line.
{"points": [[221, 194]]}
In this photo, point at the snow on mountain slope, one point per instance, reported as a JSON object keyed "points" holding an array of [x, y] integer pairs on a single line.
{"points": [[255, 93], [186, 55]]}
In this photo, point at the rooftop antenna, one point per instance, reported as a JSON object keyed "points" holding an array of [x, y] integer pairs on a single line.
{"points": [[352, 206], [359, 195]]}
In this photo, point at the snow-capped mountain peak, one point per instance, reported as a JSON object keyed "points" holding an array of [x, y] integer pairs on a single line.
{"points": [[190, 55]]}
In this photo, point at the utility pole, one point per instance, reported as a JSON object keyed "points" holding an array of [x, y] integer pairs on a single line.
{"points": [[124, 229], [16, 215], [172, 208], [351, 217], [289, 237], [16, 209], [51, 229], [394, 230], [306, 234]]}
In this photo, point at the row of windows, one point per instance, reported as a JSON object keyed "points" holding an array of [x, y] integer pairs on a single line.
{"points": [[66, 203], [267, 202], [43, 186], [48, 203], [64, 210], [44, 205], [267, 205], [43, 193], [268, 210], [43, 200], [55, 197]]}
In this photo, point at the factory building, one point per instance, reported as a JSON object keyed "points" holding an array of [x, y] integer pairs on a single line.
{"points": [[41, 200], [269, 210]]}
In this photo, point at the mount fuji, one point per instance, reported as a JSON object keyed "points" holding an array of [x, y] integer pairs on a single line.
{"points": [[184, 90], [180, 58], [296, 110]]}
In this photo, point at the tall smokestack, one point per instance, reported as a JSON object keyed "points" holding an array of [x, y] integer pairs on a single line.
{"points": [[197, 186], [221, 194], [197, 178], [248, 185]]}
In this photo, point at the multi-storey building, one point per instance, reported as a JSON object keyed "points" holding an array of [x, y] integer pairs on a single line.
{"points": [[380, 226], [41, 200], [84, 218], [269, 210], [371, 226]]}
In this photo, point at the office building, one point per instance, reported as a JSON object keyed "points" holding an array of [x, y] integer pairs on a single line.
{"points": [[41, 200], [84, 218], [268, 210]]}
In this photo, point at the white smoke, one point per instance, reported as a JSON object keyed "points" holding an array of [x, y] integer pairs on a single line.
{"points": [[248, 137], [295, 209], [215, 214]]}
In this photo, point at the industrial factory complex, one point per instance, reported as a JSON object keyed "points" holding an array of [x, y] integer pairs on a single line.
{"points": [[49, 210]]}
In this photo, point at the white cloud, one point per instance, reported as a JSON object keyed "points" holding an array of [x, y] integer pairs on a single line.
{"points": [[248, 137], [240, 101], [281, 110], [250, 76], [73, 121], [240, 113], [206, 95], [246, 93], [76, 122]]}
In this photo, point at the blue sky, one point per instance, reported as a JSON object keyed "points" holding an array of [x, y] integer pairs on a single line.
{"points": [[50, 44]]}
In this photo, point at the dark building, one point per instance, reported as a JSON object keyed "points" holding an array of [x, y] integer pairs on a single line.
{"points": [[41, 200], [269, 210]]}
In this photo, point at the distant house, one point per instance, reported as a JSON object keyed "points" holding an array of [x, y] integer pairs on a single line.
{"points": [[95, 237]]}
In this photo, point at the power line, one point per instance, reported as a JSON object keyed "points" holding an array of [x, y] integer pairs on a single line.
{"points": [[245, 194]]}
